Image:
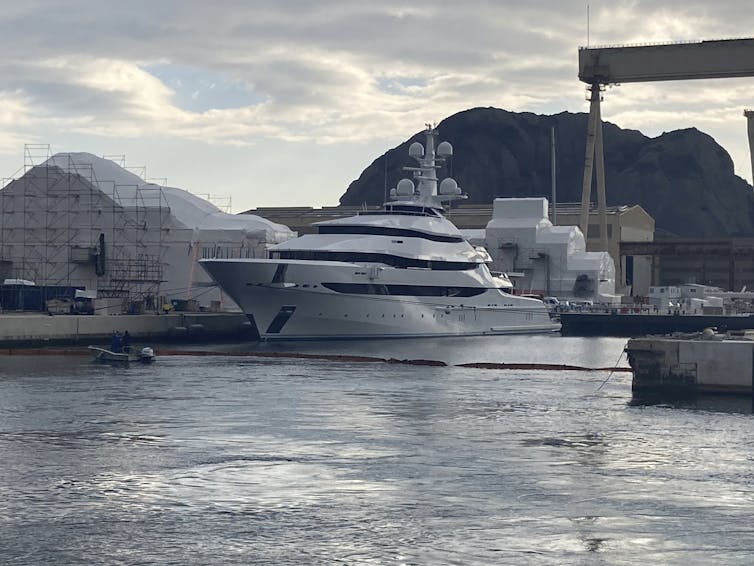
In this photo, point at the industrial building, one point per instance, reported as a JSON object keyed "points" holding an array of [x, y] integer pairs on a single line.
{"points": [[547, 259], [77, 222], [727, 263], [633, 274]]}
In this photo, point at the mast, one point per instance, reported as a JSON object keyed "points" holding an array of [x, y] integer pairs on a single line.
{"points": [[429, 159], [553, 176]]}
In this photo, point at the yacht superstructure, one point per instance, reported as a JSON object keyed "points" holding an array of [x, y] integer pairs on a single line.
{"points": [[404, 271]]}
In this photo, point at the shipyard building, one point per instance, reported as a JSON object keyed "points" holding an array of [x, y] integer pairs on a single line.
{"points": [[77, 229]]}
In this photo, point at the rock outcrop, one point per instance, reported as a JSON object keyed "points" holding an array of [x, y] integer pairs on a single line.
{"points": [[684, 179]]}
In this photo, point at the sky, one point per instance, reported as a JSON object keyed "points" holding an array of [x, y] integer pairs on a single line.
{"points": [[284, 102]]}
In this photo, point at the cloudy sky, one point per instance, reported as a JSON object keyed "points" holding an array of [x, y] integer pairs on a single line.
{"points": [[285, 102]]}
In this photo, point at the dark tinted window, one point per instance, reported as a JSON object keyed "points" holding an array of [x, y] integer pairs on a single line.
{"points": [[410, 290], [366, 257], [384, 231]]}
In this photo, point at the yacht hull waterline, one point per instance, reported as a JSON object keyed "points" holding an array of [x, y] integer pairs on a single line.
{"points": [[405, 271]]}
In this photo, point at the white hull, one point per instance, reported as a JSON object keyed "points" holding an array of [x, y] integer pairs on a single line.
{"points": [[295, 305], [145, 356]]}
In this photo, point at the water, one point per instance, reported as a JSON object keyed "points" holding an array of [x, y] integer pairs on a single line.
{"points": [[244, 460]]}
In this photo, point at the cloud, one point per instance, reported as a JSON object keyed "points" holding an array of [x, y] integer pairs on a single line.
{"points": [[245, 72], [316, 69]]}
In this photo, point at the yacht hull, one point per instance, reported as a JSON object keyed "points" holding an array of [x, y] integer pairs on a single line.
{"points": [[291, 300]]}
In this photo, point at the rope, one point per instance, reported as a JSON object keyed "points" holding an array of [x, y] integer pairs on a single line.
{"points": [[611, 372]]}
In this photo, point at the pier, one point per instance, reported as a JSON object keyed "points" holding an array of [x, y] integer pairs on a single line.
{"points": [[617, 323], [689, 365], [35, 329]]}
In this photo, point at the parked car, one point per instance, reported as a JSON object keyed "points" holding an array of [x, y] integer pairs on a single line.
{"points": [[552, 303]]}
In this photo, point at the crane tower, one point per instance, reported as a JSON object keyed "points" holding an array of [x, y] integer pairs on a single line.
{"points": [[602, 66]]}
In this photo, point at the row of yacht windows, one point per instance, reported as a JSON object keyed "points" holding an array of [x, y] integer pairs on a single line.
{"points": [[368, 257], [406, 210], [386, 231], [408, 290]]}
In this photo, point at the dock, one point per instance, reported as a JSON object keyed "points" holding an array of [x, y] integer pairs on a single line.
{"points": [[702, 363], [36, 329], [616, 323]]}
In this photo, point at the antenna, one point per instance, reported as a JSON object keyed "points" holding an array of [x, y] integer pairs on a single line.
{"points": [[385, 163], [587, 25], [553, 176]]}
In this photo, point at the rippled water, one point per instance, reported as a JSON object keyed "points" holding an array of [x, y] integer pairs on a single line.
{"points": [[228, 459]]}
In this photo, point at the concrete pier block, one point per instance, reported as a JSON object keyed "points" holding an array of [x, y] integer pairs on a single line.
{"points": [[685, 366], [40, 329]]}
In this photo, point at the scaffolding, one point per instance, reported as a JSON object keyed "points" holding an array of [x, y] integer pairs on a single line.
{"points": [[60, 226], [223, 202]]}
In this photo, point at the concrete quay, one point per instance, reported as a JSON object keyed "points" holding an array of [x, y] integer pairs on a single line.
{"points": [[35, 329], [696, 364]]}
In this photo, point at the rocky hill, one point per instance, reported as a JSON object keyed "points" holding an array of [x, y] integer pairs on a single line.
{"points": [[684, 179]]}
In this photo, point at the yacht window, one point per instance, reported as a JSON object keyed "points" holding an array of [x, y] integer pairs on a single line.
{"points": [[407, 290], [368, 257], [405, 210], [387, 231]]}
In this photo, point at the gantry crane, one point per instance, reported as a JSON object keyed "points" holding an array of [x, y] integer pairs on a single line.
{"points": [[602, 66]]}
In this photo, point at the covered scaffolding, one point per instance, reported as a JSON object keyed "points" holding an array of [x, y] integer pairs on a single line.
{"points": [[77, 221], [548, 259]]}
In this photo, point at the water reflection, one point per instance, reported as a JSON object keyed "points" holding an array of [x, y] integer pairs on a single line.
{"points": [[250, 460], [741, 404], [539, 348]]}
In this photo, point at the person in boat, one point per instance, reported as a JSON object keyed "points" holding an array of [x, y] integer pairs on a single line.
{"points": [[126, 342], [116, 343]]}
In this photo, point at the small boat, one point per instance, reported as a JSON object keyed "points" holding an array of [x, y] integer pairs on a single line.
{"points": [[145, 355]]}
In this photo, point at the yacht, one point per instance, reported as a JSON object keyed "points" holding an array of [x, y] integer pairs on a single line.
{"points": [[402, 271]]}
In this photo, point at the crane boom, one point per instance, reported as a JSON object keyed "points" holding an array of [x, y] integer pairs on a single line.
{"points": [[724, 58]]}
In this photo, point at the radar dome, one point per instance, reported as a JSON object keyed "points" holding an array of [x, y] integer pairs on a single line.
{"points": [[405, 187], [416, 150], [449, 187], [444, 149]]}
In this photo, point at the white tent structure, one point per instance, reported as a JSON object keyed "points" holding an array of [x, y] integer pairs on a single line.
{"points": [[78, 220], [543, 258]]}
